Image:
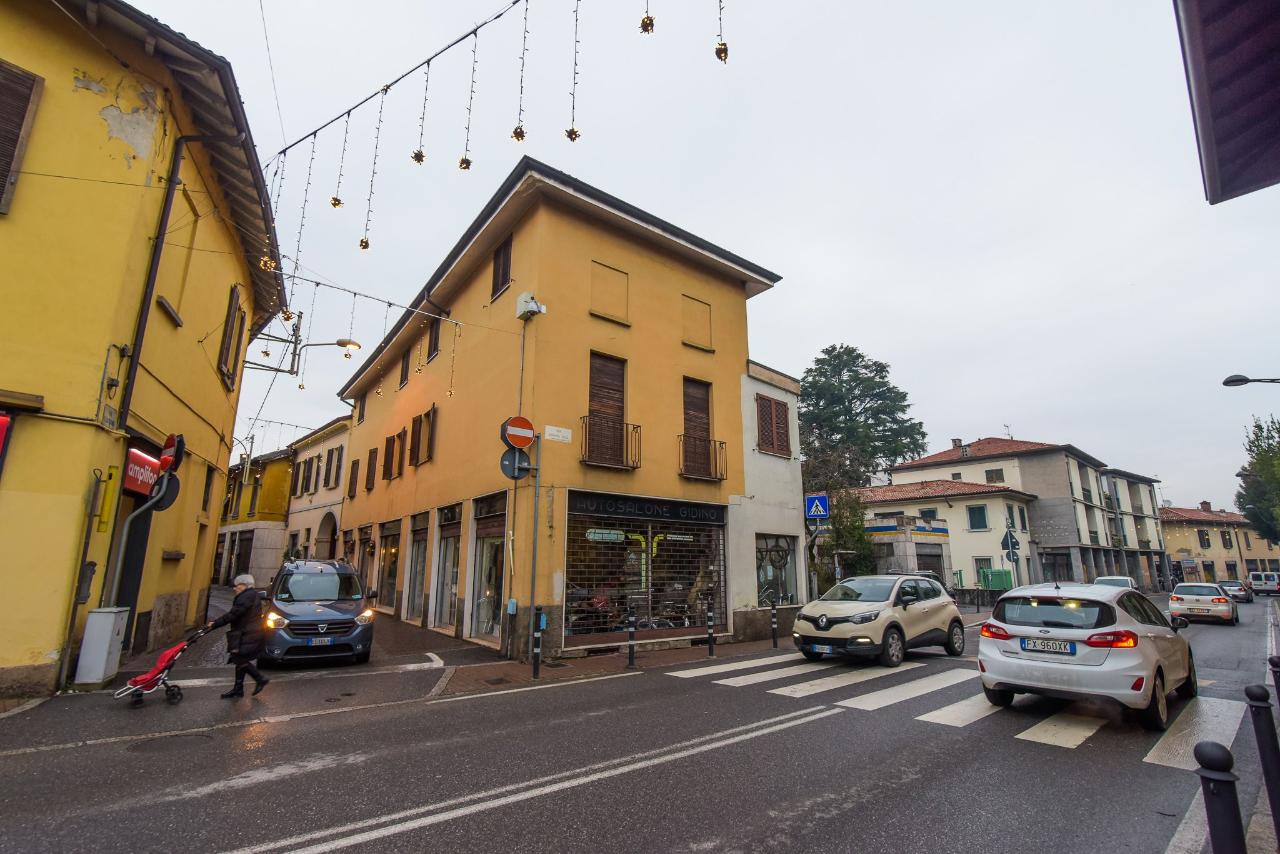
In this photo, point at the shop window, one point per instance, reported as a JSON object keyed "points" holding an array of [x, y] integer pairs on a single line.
{"points": [[445, 610], [609, 292], [1203, 536], [388, 563], [995, 475], [417, 569], [775, 570], [977, 517], [20, 92], [773, 426], [501, 268]]}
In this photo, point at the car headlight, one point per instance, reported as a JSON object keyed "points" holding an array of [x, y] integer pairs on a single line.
{"points": [[366, 616], [868, 617], [275, 621]]}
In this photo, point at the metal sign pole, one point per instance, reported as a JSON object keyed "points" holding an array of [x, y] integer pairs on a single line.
{"points": [[533, 557], [124, 534]]}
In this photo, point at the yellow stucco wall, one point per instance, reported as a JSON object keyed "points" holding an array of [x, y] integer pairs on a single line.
{"points": [[474, 382], [76, 246], [273, 479], [1183, 543]]}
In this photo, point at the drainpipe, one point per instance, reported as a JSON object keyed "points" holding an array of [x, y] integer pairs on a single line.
{"points": [[153, 269]]}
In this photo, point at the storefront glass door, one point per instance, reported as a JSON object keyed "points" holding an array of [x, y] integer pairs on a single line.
{"points": [[446, 592], [417, 574], [388, 567], [486, 614]]}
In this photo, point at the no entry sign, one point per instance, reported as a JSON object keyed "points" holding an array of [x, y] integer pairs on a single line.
{"points": [[517, 432]]}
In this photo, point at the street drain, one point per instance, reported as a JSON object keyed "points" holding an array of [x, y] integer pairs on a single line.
{"points": [[170, 743], [497, 680]]}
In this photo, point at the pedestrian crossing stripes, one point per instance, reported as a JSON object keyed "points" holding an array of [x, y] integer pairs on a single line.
{"points": [[1203, 718]]}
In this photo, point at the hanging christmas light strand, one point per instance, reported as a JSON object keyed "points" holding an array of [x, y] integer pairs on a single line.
{"points": [[351, 325], [646, 23], [722, 47], [373, 170], [420, 153], [386, 314], [572, 132], [519, 133], [336, 198], [302, 221], [464, 162], [275, 201]]}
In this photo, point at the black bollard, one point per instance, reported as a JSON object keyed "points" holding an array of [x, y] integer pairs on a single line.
{"points": [[773, 622], [711, 622], [631, 638], [1221, 803], [1274, 661], [1264, 731], [537, 641]]}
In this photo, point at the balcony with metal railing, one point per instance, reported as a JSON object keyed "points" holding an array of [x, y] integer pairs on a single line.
{"points": [[1088, 494], [702, 458], [610, 443], [1093, 538]]}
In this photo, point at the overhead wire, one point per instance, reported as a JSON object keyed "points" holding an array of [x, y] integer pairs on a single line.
{"points": [[272, 68]]}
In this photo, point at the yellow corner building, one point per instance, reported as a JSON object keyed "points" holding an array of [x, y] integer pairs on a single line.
{"points": [[114, 130]]}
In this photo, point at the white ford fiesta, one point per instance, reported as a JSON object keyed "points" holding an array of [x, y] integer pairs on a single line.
{"points": [[1083, 641]]}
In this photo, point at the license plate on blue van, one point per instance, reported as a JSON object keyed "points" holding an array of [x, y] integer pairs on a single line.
{"points": [[1060, 647], [319, 641]]}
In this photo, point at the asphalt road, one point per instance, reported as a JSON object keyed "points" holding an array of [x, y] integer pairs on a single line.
{"points": [[758, 756]]}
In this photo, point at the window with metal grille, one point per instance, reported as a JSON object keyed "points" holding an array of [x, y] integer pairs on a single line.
{"points": [[19, 93], [501, 268], [773, 426]]}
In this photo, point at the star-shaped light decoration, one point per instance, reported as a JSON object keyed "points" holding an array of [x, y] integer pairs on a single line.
{"points": [[286, 315], [722, 51], [573, 134], [364, 243], [518, 134], [266, 262], [335, 201], [464, 163], [646, 24], [418, 156]]}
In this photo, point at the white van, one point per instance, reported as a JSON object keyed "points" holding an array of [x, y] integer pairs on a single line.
{"points": [[1265, 582]]}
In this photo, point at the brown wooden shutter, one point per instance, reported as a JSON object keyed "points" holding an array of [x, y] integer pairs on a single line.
{"points": [[433, 337], [400, 448], [293, 483], [388, 457], [306, 474], [697, 427], [371, 470], [19, 93], [228, 331], [415, 440], [432, 416], [764, 424], [337, 468], [355, 478], [781, 429], [501, 267], [607, 407]]}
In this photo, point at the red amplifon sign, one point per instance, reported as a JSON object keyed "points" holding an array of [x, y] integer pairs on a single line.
{"points": [[141, 471], [6, 428]]}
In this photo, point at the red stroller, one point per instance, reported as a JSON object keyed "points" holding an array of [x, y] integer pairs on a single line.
{"points": [[158, 676]]}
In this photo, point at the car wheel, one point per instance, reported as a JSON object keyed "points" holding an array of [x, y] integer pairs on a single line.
{"points": [[1156, 715], [1191, 686], [811, 654], [893, 648], [955, 639], [997, 697]]}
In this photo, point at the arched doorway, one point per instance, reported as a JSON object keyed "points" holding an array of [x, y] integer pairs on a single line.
{"points": [[327, 538]]}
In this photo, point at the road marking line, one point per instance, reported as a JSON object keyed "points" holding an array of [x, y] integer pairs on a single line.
{"points": [[736, 665], [840, 680], [346, 839], [782, 673], [914, 688], [279, 719], [512, 787], [25, 707], [1204, 682], [1193, 830], [1204, 718], [223, 681], [962, 713], [1065, 729]]}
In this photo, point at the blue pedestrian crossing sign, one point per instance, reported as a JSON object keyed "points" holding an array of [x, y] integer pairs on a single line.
{"points": [[816, 506]]}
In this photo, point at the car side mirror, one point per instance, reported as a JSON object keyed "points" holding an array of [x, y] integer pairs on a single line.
{"points": [[908, 599], [1179, 623]]}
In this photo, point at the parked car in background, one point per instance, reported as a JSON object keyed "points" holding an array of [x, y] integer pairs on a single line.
{"points": [[1237, 590], [317, 610], [1265, 582], [881, 615], [1092, 641], [1117, 581], [1203, 601]]}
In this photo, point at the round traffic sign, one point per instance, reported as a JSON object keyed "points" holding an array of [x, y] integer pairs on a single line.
{"points": [[517, 432], [515, 463]]}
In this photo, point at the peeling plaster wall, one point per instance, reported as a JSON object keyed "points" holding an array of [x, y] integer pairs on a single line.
{"points": [[133, 117]]}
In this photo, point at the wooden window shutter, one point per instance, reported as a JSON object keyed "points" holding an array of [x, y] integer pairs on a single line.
{"points": [[697, 408], [19, 93], [400, 443], [781, 428], [388, 457], [501, 267], [354, 479], [225, 360], [432, 416], [371, 470], [337, 468], [293, 483], [415, 440], [306, 474], [764, 424], [606, 406], [433, 337], [328, 468], [315, 484]]}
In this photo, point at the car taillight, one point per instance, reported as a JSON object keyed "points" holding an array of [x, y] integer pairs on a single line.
{"points": [[989, 630], [1175, 598], [1218, 600], [1124, 639]]}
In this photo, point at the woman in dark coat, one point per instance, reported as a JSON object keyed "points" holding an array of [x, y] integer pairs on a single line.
{"points": [[244, 637]]}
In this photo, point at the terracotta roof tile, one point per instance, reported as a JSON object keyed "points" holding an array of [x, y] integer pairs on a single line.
{"points": [[1195, 514], [980, 449], [927, 489]]}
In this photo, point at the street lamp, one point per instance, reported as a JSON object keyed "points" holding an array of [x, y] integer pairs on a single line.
{"points": [[1240, 379]]}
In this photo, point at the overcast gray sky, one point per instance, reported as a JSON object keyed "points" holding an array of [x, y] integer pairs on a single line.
{"points": [[1001, 200]]}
